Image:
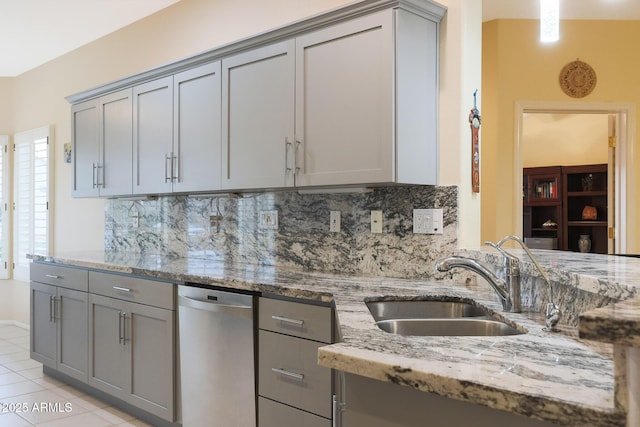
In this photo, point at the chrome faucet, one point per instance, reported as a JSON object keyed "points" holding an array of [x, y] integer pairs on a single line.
{"points": [[499, 285], [508, 289], [553, 313]]}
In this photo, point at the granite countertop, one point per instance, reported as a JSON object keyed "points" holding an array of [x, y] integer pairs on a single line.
{"points": [[548, 376], [616, 323]]}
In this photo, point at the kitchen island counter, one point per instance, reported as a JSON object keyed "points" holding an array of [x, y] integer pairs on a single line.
{"points": [[552, 377]]}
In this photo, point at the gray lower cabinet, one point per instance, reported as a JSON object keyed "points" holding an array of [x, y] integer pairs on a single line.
{"points": [[114, 332], [59, 333], [293, 389], [132, 351]]}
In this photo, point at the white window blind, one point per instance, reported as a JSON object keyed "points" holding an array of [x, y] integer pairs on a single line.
{"points": [[31, 198], [5, 220]]}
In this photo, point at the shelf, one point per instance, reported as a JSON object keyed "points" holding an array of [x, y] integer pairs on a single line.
{"points": [[587, 223], [542, 202], [544, 229], [586, 193]]}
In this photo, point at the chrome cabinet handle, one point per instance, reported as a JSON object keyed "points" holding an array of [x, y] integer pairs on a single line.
{"points": [[167, 160], [124, 329], [94, 168], [53, 276], [51, 308], [295, 157], [120, 288], [335, 411], [55, 309], [287, 147], [289, 374], [119, 327], [100, 184], [288, 320], [122, 319], [175, 168]]}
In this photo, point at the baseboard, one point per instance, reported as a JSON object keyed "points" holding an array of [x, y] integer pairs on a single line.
{"points": [[14, 323]]}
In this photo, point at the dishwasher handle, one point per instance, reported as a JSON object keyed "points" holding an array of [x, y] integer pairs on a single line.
{"points": [[216, 307]]}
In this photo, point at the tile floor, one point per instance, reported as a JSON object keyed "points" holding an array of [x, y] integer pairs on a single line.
{"points": [[30, 398]]}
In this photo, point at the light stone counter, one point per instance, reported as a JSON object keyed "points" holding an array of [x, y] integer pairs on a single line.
{"points": [[619, 324], [548, 376]]}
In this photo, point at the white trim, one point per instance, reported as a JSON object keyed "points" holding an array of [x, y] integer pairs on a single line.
{"points": [[626, 112], [20, 270], [5, 207]]}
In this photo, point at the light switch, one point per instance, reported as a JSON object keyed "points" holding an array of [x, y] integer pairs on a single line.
{"points": [[376, 221]]}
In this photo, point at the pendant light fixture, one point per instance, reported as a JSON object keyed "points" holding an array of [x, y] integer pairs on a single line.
{"points": [[549, 21]]}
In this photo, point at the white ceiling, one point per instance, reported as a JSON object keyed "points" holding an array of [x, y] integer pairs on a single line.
{"points": [[33, 32], [569, 9]]}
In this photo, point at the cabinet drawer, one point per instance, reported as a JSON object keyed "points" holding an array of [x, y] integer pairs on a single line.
{"points": [[65, 277], [292, 318], [289, 373], [142, 291], [274, 414]]}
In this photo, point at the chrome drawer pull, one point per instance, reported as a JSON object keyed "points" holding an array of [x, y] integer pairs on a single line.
{"points": [[295, 375], [53, 276], [288, 320], [118, 288]]}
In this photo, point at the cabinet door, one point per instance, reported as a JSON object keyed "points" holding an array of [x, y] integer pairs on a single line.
{"points": [[108, 363], [197, 121], [85, 134], [345, 103], [73, 333], [115, 172], [150, 336], [153, 158], [43, 325], [257, 113], [115, 169]]}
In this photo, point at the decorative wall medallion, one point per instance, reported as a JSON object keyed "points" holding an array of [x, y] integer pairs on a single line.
{"points": [[577, 79]]}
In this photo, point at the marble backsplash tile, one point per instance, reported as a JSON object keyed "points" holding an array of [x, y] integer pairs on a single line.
{"points": [[180, 226]]}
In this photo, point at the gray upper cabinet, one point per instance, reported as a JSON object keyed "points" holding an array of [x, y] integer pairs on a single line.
{"points": [[346, 98], [153, 156], [197, 133], [364, 111], [366, 98], [258, 141], [85, 128], [177, 132], [102, 146], [344, 103]]}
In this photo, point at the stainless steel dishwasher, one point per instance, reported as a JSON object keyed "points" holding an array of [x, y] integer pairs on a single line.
{"points": [[217, 359]]}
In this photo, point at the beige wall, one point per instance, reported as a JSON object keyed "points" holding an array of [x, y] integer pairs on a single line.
{"points": [[193, 26], [518, 68], [551, 139]]}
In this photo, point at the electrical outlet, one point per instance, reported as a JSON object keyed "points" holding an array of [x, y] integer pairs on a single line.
{"points": [[376, 221], [269, 220], [427, 221], [334, 221]]}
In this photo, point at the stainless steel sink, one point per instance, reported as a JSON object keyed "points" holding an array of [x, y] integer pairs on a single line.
{"points": [[423, 309], [447, 327]]}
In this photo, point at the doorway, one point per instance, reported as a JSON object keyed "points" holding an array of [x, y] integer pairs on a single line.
{"points": [[619, 119]]}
